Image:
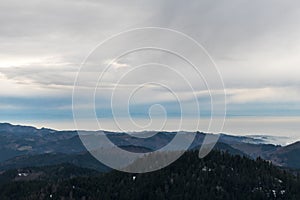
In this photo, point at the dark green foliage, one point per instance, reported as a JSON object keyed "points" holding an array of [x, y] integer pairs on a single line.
{"points": [[85, 160], [217, 176], [46, 173]]}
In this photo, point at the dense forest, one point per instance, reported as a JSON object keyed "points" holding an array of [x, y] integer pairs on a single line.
{"points": [[220, 175]]}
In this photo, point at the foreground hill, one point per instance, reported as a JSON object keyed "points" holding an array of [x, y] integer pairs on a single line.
{"points": [[217, 176]]}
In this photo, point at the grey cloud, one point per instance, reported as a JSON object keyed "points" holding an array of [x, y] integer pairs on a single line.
{"points": [[251, 41]]}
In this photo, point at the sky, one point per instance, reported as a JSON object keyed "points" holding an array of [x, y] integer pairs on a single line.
{"points": [[254, 44]]}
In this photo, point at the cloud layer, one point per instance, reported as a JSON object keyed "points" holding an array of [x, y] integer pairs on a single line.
{"points": [[255, 44]]}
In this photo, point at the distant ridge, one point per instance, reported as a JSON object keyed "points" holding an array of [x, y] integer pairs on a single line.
{"points": [[28, 141]]}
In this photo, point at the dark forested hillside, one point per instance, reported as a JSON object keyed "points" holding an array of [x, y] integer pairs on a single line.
{"points": [[217, 176]]}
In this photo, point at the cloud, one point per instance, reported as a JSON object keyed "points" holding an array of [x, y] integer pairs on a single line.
{"points": [[115, 64], [259, 95], [255, 44]]}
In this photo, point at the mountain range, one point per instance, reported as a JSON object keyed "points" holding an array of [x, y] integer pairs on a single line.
{"points": [[24, 146]]}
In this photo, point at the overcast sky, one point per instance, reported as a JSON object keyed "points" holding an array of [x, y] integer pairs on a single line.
{"points": [[255, 44]]}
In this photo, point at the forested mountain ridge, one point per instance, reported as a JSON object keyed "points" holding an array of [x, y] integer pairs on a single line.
{"points": [[218, 176]]}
